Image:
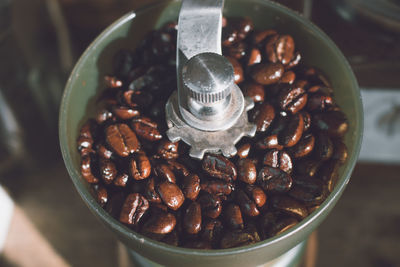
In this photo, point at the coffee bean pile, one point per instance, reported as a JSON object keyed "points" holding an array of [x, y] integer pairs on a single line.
{"points": [[277, 178]]}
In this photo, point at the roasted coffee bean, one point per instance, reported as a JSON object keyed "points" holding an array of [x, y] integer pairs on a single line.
{"points": [[134, 208], [171, 195], [329, 173], [237, 70], [114, 203], [260, 36], [146, 129], [108, 171], [191, 186], [282, 225], [112, 81], [306, 119], [101, 194], [121, 180], [212, 231], [267, 73], [229, 35], [280, 48], [256, 194], [178, 168], [216, 187], [233, 217], [307, 166], [288, 77], [211, 205], [247, 206], [308, 190], [122, 139], [85, 139], [293, 131], [334, 123], [168, 150], [263, 116], [104, 152], [253, 57], [139, 166], [323, 147], [150, 192], [124, 113], [103, 115], [269, 142], [244, 26], [289, 206], [237, 50], [164, 172], [295, 61], [237, 238], [219, 167], [160, 222], [319, 101], [303, 147], [292, 99], [243, 151], [274, 180], [339, 151], [86, 169], [192, 218], [254, 91], [278, 159], [247, 171]]}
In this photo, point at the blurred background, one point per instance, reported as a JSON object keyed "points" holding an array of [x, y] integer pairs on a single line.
{"points": [[40, 40]]}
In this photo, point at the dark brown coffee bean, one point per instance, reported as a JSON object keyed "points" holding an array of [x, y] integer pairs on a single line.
{"points": [[150, 192], [191, 186], [334, 123], [160, 222], [254, 57], [229, 35], [292, 99], [178, 168], [307, 190], [134, 208], [339, 151], [108, 171], [168, 150], [237, 238], [247, 171], [101, 194], [112, 81], [267, 73], [237, 70], [303, 147], [274, 180], [86, 169], [192, 218], [103, 152], [124, 113], [260, 36], [288, 77], [254, 91], [256, 194], [146, 129], [219, 167], [211, 205], [295, 61], [282, 225], [114, 203], [306, 119], [237, 50], [243, 151], [244, 26], [216, 187], [307, 166], [269, 142], [319, 101], [329, 173], [233, 217], [164, 172], [171, 195], [127, 99], [280, 48], [293, 131], [278, 159], [212, 231], [263, 116], [139, 166], [121, 179], [85, 139], [289, 206], [323, 148], [247, 206], [122, 139], [103, 115]]}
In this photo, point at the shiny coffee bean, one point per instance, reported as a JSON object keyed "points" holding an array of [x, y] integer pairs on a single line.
{"points": [[334, 123], [160, 222], [121, 180], [146, 129], [304, 147], [233, 217], [323, 148], [256, 194], [260, 36], [170, 194], [295, 61], [288, 77], [254, 91], [237, 70], [236, 51], [124, 113], [243, 151], [253, 57], [269, 142], [178, 168], [86, 134], [293, 131], [329, 173], [229, 35], [339, 151], [108, 171], [282, 225], [168, 150], [212, 231], [307, 166], [86, 169], [247, 171], [280, 48], [306, 119], [139, 166], [216, 187], [211, 205], [150, 192], [274, 180], [122, 139], [263, 116], [104, 152], [289, 206], [192, 218], [278, 159], [191, 186], [236, 239], [319, 101], [244, 26], [104, 115], [307, 190], [267, 73], [112, 81], [133, 209], [247, 206], [164, 172], [292, 99], [219, 167], [101, 194]]}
